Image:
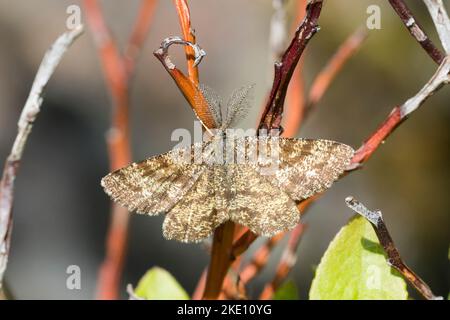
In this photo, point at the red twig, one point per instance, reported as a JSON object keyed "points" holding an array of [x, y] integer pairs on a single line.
{"points": [[223, 235], [184, 16], [139, 34], [273, 111], [296, 91], [189, 89], [220, 260], [117, 69]]}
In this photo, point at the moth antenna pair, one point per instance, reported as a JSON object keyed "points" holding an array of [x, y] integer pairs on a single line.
{"points": [[236, 108]]}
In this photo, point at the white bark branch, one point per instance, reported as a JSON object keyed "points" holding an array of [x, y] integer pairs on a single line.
{"points": [[29, 113], [441, 21], [440, 77]]}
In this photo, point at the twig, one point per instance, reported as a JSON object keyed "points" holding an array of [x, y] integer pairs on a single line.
{"points": [[273, 111], [223, 235], [323, 80], [398, 115], [416, 30], [139, 33], [296, 91], [27, 118], [287, 262], [118, 69], [376, 220], [293, 53], [184, 18], [188, 88], [220, 260]]}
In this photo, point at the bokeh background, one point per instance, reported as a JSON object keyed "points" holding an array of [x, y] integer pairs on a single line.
{"points": [[61, 213]]}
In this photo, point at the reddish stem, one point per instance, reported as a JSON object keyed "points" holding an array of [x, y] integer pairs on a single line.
{"points": [[117, 69], [273, 111]]}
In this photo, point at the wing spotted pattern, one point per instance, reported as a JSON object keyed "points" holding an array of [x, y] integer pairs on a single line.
{"points": [[199, 196]]}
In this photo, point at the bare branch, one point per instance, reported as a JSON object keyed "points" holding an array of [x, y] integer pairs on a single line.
{"points": [[376, 220], [295, 104], [416, 30], [139, 33], [118, 69], [220, 261], [163, 51], [441, 21], [189, 89], [273, 111], [29, 113], [184, 17]]}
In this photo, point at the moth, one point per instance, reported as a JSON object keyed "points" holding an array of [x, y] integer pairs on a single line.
{"points": [[198, 196]]}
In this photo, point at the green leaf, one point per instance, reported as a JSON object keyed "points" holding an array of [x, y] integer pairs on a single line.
{"points": [[354, 267], [287, 291], [158, 284]]}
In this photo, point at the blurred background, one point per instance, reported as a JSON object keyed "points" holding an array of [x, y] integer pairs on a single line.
{"points": [[61, 213]]}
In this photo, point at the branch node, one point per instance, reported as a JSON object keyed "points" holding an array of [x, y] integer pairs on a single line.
{"points": [[163, 51]]}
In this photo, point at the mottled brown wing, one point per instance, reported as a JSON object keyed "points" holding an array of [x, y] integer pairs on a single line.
{"points": [[154, 185], [308, 166], [256, 203], [201, 210]]}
